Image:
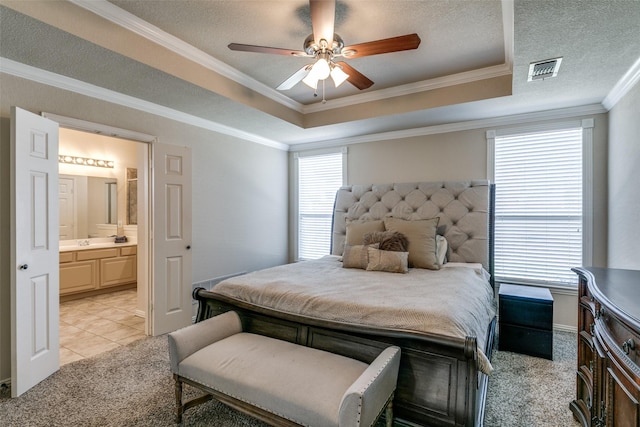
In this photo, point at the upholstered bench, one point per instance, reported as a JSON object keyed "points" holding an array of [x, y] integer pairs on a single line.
{"points": [[279, 382]]}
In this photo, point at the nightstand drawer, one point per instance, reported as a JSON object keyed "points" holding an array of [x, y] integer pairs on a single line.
{"points": [[534, 342], [529, 313], [526, 306]]}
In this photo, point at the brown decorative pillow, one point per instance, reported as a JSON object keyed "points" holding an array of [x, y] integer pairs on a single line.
{"points": [[388, 240], [390, 261], [356, 256], [356, 229], [422, 240]]}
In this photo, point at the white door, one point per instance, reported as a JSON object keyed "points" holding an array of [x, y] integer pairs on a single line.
{"points": [[171, 289], [66, 197], [34, 250]]}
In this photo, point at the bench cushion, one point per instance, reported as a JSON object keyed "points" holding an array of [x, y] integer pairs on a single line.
{"points": [[296, 382]]}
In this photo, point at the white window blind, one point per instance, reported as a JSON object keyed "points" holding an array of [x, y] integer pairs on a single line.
{"points": [[539, 219], [319, 178]]}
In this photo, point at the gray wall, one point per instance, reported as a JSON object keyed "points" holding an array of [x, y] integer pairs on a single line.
{"points": [[240, 189], [624, 182]]}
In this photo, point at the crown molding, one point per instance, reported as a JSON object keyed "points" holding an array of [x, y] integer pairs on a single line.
{"points": [[97, 128], [138, 26], [28, 72], [457, 127], [410, 88], [143, 28], [508, 31], [17, 69], [624, 85]]}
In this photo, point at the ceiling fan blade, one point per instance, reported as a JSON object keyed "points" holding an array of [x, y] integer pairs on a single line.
{"points": [[295, 78], [264, 49], [393, 44], [356, 78], [323, 15]]}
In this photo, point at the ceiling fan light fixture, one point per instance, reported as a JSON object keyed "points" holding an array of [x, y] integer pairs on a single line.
{"points": [[311, 80], [338, 75], [321, 68]]}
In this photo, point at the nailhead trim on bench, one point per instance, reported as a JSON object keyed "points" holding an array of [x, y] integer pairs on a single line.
{"points": [[368, 384]]}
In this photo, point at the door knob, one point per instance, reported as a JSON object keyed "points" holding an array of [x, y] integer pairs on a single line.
{"points": [[23, 267], [188, 247]]}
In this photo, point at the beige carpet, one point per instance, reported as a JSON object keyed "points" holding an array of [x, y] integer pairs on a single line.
{"points": [[132, 386], [530, 391]]}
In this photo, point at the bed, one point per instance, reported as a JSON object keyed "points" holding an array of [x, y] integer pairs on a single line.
{"points": [[445, 361]]}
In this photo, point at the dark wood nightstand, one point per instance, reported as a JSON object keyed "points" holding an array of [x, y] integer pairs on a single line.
{"points": [[526, 320]]}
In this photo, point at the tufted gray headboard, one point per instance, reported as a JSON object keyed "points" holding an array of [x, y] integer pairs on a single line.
{"points": [[465, 209]]}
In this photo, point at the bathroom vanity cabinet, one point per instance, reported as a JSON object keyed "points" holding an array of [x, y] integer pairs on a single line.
{"points": [[85, 272]]}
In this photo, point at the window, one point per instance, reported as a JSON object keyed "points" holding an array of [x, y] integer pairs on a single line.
{"points": [[540, 229], [319, 176]]}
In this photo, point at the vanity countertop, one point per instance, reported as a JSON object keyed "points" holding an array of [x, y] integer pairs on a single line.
{"points": [[93, 243]]}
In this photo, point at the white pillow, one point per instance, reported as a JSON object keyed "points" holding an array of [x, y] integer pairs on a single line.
{"points": [[441, 249]]}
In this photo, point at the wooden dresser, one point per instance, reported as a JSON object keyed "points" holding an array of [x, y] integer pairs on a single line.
{"points": [[608, 374]]}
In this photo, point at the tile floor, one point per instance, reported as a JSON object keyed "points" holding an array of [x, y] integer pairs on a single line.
{"points": [[96, 324]]}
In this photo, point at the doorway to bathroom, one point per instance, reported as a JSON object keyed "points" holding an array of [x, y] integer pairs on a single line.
{"points": [[102, 293], [163, 252], [102, 290]]}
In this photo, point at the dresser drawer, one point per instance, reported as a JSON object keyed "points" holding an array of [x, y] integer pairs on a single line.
{"points": [[585, 318], [622, 336]]}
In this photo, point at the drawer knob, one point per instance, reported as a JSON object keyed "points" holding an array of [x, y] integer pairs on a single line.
{"points": [[628, 345]]}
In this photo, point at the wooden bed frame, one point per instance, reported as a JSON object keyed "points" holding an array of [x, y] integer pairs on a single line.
{"points": [[439, 383]]}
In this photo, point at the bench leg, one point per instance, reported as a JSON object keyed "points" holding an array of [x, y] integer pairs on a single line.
{"points": [[388, 414], [179, 407]]}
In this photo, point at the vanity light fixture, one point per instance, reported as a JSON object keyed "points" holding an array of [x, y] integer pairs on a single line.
{"points": [[85, 161]]}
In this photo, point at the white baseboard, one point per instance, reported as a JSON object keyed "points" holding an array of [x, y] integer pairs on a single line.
{"points": [[140, 313], [564, 328]]}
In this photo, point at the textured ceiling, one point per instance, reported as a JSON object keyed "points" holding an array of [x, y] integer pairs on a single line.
{"points": [[456, 36], [599, 41]]}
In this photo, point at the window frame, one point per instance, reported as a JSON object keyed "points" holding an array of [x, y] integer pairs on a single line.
{"points": [[296, 194], [587, 180]]}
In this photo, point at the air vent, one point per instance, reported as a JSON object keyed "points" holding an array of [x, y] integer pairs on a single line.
{"points": [[544, 69]]}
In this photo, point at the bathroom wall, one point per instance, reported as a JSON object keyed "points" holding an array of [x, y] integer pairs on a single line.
{"points": [[123, 152]]}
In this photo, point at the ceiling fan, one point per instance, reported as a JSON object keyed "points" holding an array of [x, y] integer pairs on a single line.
{"points": [[325, 46]]}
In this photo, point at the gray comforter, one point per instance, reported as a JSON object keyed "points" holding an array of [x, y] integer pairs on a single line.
{"points": [[455, 301]]}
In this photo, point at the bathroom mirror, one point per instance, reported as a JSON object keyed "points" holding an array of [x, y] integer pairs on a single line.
{"points": [[88, 206]]}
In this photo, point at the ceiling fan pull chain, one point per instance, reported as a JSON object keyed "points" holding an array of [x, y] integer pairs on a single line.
{"points": [[324, 101]]}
